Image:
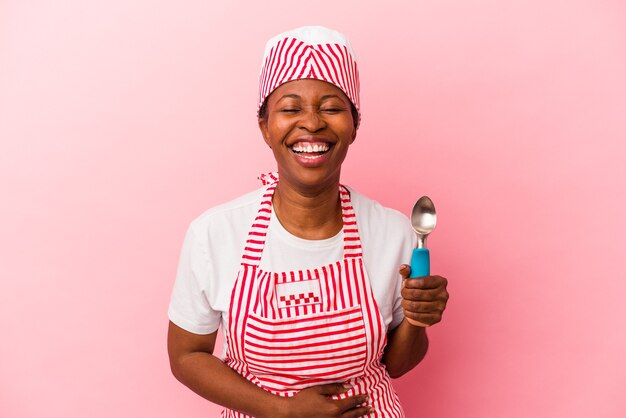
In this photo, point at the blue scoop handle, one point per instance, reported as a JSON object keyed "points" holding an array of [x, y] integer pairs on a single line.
{"points": [[420, 263]]}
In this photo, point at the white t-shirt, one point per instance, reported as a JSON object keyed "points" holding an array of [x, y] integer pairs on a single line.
{"points": [[214, 243]]}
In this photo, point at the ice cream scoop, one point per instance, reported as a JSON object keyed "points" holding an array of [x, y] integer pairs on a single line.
{"points": [[423, 220]]}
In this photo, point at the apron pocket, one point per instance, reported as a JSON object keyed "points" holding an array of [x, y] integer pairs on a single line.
{"points": [[306, 350]]}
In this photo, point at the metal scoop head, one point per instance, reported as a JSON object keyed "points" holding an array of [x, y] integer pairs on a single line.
{"points": [[423, 219]]}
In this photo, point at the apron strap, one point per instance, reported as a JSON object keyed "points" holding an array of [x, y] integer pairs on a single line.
{"points": [[258, 232], [351, 238]]}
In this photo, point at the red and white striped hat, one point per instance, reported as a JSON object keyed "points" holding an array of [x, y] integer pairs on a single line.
{"points": [[309, 52]]}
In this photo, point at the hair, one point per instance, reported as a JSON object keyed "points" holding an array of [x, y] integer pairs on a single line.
{"points": [[355, 113]]}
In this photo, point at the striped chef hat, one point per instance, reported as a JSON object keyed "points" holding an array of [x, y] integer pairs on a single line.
{"points": [[309, 52]]}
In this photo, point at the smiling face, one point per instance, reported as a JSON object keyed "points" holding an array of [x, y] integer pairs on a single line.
{"points": [[309, 126]]}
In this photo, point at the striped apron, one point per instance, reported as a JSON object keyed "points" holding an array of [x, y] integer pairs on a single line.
{"points": [[291, 330]]}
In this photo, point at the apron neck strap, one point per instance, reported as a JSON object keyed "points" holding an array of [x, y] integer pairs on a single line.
{"points": [[351, 238]]}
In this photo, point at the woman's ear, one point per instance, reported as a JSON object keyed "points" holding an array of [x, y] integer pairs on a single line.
{"points": [[264, 131], [353, 135], [356, 119]]}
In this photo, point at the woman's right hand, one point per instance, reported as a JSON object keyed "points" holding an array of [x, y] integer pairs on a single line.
{"points": [[316, 402]]}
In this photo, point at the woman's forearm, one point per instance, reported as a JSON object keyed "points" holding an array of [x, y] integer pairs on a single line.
{"points": [[406, 347], [212, 379]]}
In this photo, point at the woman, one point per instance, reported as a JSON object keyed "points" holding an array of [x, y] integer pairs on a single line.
{"points": [[302, 274]]}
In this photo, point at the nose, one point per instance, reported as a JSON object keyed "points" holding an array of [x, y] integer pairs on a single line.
{"points": [[311, 121]]}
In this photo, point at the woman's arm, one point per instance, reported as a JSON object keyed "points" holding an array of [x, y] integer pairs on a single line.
{"points": [[193, 364], [423, 299], [406, 347]]}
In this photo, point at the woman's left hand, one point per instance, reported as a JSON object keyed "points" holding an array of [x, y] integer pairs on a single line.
{"points": [[423, 298]]}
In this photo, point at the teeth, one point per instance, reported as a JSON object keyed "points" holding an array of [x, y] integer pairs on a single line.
{"points": [[302, 147]]}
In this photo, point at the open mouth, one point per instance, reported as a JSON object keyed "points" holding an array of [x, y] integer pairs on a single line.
{"points": [[310, 150]]}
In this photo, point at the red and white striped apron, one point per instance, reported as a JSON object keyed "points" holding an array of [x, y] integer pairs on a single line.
{"points": [[291, 330]]}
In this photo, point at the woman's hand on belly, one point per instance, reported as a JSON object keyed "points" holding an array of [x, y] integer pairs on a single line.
{"points": [[316, 402]]}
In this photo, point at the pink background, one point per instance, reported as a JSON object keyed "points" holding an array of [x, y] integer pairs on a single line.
{"points": [[121, 121]]}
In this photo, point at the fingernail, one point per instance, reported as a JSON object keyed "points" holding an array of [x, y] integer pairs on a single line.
{"points": [[347, 386]]}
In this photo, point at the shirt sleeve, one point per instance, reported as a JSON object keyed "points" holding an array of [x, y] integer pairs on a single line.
{"points": [[189, 307]]}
